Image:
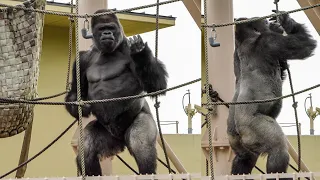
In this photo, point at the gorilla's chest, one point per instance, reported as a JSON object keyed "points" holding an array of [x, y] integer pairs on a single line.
{"points": [[113, 78], [108, 71]]}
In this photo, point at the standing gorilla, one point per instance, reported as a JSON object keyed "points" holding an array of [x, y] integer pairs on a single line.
{"points": [[117, 67], [260, 59]]}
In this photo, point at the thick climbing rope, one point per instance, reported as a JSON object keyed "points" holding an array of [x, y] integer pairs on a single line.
{"points": [[157, 103], [14, 101], [207, 93], [40, 152], [81, 150], [260, 18], [88, 15], [294, 105], [71, 21]]}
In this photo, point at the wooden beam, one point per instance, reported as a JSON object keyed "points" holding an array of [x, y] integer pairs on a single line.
{"points": [[312, 14], [194, 8]]}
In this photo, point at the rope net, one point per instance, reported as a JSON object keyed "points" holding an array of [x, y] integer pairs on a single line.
{"points": [[74, 17]]}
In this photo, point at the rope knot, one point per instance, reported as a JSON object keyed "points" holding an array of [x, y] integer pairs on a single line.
{"points": [[71, 19], [295, 105], [79, 103], [157, 104]]}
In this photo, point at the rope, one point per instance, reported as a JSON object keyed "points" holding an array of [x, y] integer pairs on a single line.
{"points": [[88, 15], [71, 21], [82, 162], [164, 164], [15, 101], [39, 153], [294, 105], [133, 170], [207, 93], [260, 18], [157, 103], [125, 163]]}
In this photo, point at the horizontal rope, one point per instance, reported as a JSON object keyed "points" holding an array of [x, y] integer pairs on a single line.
{"points": [[260, 18], [265, 100], [14, 101], [86, 15]]}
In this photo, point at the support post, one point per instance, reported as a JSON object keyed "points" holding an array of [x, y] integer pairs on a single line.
{"points": [[89, 7], [221, 76], [295, 157], [25, 151]]}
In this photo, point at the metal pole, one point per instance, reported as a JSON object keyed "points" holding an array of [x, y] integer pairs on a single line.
{"points": [[310, 117]]}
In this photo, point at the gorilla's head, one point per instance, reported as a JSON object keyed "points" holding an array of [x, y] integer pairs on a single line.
{"points": [[107, 31]]}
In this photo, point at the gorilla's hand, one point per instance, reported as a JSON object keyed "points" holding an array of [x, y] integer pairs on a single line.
{"points": [[136, 44], [86, 110], [276, 27], [285, 21]]}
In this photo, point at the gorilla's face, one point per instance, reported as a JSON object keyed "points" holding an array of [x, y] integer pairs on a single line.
{"points": [[107, 33]]}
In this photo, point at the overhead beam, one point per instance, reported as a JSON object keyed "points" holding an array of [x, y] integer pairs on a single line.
{"points": [[194, 8], [313, 14]]}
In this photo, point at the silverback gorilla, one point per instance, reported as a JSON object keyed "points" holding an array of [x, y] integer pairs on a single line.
{"points": [[260, 60], [117, 67]]}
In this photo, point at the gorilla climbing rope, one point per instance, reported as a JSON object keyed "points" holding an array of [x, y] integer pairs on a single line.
{"points": [[216, 96]]}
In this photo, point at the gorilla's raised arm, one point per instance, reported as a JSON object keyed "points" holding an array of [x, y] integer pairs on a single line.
{"points": [[151, 71], [298, 44], [72, 94]]}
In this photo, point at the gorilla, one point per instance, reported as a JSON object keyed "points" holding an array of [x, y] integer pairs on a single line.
{"points": [[260, 59], [117, 66]]}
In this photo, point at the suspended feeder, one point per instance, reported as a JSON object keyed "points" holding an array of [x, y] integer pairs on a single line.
{"points": [[20, 47]]}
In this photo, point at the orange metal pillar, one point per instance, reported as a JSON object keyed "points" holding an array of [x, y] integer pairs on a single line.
{"points": [[221, 76], [87, 6]]}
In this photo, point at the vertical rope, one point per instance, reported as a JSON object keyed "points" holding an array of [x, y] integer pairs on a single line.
{"points": [[207, 91], [71, 21], [294, 105], [157, 104], [80, 103]]}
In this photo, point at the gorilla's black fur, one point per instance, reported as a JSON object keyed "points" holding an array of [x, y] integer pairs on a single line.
{"points": [[116, 67], [260, 60]]}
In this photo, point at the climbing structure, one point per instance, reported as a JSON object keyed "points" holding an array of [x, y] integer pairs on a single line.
{"points": [[212, 146]]}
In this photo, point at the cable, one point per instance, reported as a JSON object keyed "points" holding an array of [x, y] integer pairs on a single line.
{"points": [[183, 103]]}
